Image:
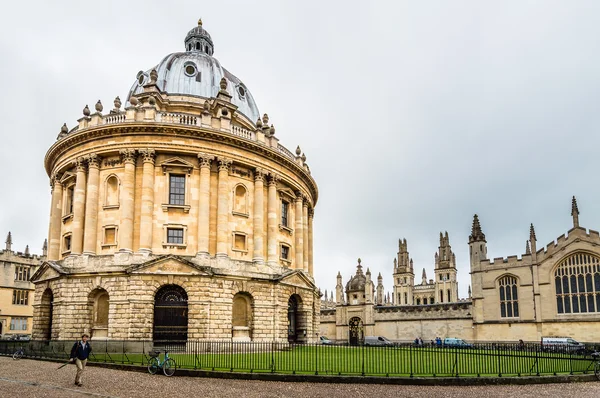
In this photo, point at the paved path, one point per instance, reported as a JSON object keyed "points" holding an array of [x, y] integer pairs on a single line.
{"points": [[27, 378]]}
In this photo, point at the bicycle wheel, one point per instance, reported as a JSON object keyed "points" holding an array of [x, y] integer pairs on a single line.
{"points": [[153, 366], [597, 370], [18, 354], [169, 367]]}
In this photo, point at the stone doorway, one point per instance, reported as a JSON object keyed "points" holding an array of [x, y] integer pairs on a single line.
{"points": [[296, 321], [170, 314], [355, 333]]}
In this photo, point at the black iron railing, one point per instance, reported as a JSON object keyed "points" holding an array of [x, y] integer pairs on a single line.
{"points": [[398, 360]]}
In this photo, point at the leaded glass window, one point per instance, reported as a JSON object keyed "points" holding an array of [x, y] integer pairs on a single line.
{"points": [[509, 297], [176, 189], [577, 284]]}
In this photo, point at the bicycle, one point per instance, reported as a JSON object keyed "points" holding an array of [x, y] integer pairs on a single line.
{"points": [[596, 360], [19, 353], [168, 366]]}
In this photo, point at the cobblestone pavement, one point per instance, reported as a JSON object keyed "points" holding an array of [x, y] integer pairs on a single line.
{"points": [[28, 378]]}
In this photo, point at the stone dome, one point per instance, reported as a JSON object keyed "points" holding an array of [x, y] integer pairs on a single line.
{"points": [[196, 73], [358, 281]]}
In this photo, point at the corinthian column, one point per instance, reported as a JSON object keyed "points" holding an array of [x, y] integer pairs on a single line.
{"points": [[223, 208], [299, 232], [305, 234], [147, 213], [204, 161], [127, 196], [311, 214], [55, 220], [91, 205], [272, 221], [258, 223], [78, 207]]}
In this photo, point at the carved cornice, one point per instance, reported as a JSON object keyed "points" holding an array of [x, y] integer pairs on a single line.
{"points": [[148, 154], [205, 160], [224, 164], [93, 160], [79, 164], [127, 155], [259, 174]]}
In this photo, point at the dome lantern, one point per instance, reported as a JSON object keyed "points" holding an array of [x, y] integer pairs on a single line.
{"points": [[198, 39]]}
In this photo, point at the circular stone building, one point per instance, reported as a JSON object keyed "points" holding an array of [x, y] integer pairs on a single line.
{"points": [[178, 216]]}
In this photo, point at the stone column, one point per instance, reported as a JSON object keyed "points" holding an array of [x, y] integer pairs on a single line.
{"points": [[127, 197], [272, 221], [223, 208], [299, 232], [305, 234], [78, 207], [90, 232], [258, 222], [55, 220], [311, 214], [204, 161], [147, 214]]}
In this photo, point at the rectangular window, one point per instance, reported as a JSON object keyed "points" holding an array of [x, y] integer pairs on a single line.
{"points": [[284, 213], [21, 273], [67, 246], [176, 189], [285, 252], [18, 324], [175, 235], [110, 236], [70, 198], [20, 297], [239, 242]]}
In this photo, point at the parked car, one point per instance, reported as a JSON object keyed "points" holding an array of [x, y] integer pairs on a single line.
{"points": [[454, 342], [324, 340], [562, 344], [378, 341]]}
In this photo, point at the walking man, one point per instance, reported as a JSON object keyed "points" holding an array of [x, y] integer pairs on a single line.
{"points": [[80, 353]]}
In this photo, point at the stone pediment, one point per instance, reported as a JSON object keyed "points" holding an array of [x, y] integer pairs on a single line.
{"points": [[297, 278], [177, 164], [166, 265], [48, 270]]}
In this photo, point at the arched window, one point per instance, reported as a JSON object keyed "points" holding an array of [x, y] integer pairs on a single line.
{"points": [[449, 296], [112, 192], [240, 202], [441, 296], [509, 297], [418, 301], [577, 284], [98, 306], [424, 300]]}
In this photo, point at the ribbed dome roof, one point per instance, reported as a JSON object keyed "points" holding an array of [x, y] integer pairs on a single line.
{"points": [[196, 73], [358, 281]]}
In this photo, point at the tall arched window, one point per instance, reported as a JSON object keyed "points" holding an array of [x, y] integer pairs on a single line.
{"points": [[240, 201], [577, 284], [509, 297], [112, 191]]}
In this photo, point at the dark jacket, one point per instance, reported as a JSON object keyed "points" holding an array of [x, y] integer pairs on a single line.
{"points": [[79, 352]]}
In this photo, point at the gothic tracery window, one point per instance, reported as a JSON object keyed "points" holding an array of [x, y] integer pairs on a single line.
{"points": [[577, 284], [509, 297]]}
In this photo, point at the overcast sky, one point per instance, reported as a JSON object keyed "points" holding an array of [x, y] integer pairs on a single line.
{"points": [[414, 115]]}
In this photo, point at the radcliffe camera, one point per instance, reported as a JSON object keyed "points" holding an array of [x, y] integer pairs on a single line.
{"points": [[352, 197]]}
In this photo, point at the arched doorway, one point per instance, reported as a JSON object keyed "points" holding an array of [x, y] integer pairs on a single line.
{"points": [[355, 332], [98, 303], [46, 314], [295, 320], [241, 317], [170, 314]]}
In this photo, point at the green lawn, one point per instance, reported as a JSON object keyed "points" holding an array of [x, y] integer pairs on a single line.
{"points": [[398, 361]]}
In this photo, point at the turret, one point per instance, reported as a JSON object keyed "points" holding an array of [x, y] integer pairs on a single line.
{"points": [[477, 244], [380, 292], [424, 277], [45, 248], [446, 284], [369, 288], [9, 242], [404, 278], [339, 290], [532, 242]]}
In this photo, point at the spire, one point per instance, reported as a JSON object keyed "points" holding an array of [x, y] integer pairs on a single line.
{"points": [[477, 234], [575, 213], [424, 274], [411, 264], [379, 279], [527, 248], [27, 250], [532, 237], [45, 248], [9, 242], [469, 291], [359, 268]]}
